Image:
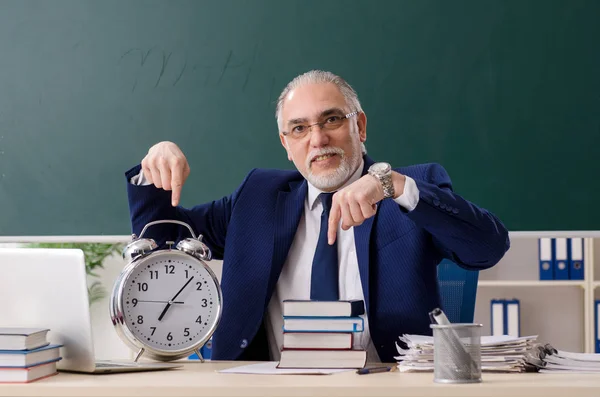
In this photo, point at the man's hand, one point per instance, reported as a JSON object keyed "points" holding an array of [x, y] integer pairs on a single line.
{"points": [[166, 167], [357, 202]]}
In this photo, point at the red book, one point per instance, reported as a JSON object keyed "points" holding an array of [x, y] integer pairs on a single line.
{"points": [[29, 374]]}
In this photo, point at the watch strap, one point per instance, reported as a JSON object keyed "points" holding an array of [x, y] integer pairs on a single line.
{"points": [[388, 186], [386, 182]]}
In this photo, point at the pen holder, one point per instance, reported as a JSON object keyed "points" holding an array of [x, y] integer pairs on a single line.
{"points": [[457, 353]]}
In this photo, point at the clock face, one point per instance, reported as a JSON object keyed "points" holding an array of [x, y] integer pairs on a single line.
{"points": [[170, 301]]}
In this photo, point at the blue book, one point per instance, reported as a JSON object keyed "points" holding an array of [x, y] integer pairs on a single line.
{"points": [[29, 358], [323, 324]]}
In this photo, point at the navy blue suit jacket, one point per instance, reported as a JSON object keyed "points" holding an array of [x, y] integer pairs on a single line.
{"points": [[398, 251]]}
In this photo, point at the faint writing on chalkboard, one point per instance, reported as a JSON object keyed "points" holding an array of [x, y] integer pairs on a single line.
{"points": [[154, 67]]}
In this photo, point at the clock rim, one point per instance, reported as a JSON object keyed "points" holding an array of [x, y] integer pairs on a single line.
{"points": [[123, 330]]}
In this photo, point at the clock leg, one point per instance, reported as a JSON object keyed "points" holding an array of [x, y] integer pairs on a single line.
{"points": [[139, 354], [199, 355]]}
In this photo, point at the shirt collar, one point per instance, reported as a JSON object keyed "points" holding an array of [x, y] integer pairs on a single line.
{"points": [[313, 192]]}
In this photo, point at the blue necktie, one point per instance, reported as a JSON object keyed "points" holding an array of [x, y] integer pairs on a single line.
{"points": [[324, 277]]}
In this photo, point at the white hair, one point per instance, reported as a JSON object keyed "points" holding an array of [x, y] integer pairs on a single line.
{"points": [[319, 77]]}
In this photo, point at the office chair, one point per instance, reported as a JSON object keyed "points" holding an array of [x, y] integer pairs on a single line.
{"points": [[458, 290]]}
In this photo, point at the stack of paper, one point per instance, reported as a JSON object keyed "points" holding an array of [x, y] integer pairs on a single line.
{"points": [[557, 361], [498, 353]]}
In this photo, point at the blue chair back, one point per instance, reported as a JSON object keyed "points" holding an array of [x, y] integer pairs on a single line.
{"points": [[458, 290]]}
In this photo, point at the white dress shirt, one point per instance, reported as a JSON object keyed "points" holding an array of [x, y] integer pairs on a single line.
{"points": [[295, 278]]}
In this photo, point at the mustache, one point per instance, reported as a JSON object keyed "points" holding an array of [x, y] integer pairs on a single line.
{"points": [[321, 152]]}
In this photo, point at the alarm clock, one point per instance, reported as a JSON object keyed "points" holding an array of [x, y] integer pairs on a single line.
{"points": [[166, 303]]}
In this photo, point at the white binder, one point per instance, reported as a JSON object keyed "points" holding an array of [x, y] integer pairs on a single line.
{"points": [[561, 261], [497, 311], [513, 317]]}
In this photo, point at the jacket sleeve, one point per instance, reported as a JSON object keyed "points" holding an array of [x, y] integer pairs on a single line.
{"points": [[470, 236], [148, 203]]}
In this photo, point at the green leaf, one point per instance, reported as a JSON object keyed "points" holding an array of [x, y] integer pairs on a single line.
{"points": [[96, 292]]}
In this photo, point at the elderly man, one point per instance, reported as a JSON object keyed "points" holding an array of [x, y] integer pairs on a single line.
{"points": [[340, 227]]}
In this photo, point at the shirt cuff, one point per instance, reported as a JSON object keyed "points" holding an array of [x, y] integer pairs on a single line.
{"points": [[410, 197], [140, 179]]}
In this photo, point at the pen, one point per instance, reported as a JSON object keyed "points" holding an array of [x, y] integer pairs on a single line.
{"points": [[365, 371], [439, 317]]}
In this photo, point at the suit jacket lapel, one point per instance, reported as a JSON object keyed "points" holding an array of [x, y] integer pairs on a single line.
{"points": [[362, 238], [290, 205]]}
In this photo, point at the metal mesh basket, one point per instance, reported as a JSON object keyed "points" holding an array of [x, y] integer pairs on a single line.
{"points": [[457, 353]]}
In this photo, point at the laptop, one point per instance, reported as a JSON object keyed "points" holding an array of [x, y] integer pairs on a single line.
{"points": [[47, 288]]}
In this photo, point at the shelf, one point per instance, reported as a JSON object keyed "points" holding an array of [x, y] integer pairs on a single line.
{"points": [[64, 239], [557, 233], [531, 283]]}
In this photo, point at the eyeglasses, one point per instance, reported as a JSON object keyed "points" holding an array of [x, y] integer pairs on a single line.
{"points": [[330, 123]]}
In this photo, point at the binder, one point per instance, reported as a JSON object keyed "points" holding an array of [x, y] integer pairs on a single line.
{"points": [[546, 256], [576, 261], [561, 259], [597, 326], [205, 350], [513, 317], [497, 317]]}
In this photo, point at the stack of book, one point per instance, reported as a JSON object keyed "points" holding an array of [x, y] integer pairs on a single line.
{"points": [[26, 355], [319, 334]]}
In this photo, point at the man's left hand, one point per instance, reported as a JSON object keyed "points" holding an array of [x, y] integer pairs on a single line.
{"points": [[357, 202]]}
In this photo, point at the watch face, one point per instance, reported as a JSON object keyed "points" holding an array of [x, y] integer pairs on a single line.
{"points": [[380, 168], [170, 301]]}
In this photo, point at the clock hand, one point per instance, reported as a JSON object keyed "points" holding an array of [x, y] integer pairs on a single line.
{"points": [[168, 305], [182, 288], [173, 302]]}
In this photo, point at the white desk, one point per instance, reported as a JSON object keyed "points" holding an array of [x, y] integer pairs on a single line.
{"points": [[198, 379]]}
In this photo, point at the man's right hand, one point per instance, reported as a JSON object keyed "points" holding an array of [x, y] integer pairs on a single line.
{"points": [[166, 167]]}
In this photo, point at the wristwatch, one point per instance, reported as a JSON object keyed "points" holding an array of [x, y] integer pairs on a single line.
{"points": [[383, 172]]}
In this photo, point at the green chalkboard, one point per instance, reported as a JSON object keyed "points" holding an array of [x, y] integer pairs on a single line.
{"points": [[505, 94]]}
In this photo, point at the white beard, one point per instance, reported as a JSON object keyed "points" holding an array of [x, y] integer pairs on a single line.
{"points": [[341, 174]]}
